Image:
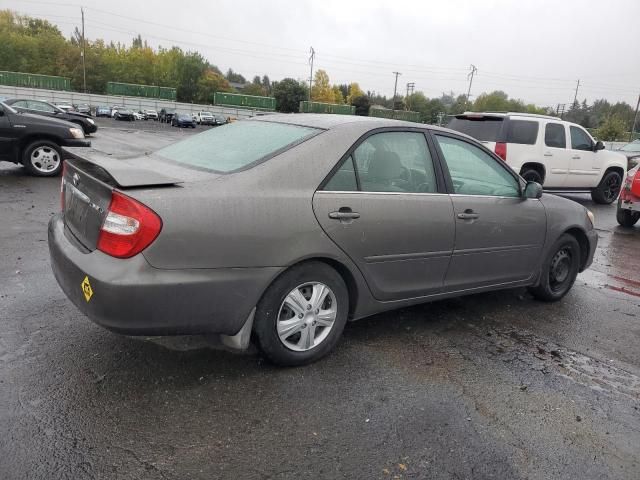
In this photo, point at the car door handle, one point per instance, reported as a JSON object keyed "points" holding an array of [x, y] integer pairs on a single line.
{"points": [[548, 154], [468, 215], [576, 157], [344, 215]]}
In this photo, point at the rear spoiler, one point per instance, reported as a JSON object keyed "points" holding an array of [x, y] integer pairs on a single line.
{"points": [[122, 173]]}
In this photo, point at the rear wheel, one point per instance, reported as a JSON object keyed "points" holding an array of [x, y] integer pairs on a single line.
{"points": [[42, 158], [627, 218], [302, 314], [609, 188], [559, 270], [531, 175]]}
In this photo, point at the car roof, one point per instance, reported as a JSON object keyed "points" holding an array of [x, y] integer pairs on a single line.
{"points": [[328, 121]]}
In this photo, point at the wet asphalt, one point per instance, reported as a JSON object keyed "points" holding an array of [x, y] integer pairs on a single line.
{"points": [[488, 386]]}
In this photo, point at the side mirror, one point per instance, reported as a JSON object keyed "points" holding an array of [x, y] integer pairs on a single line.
{"points": [[598, 146], [533, 190]]}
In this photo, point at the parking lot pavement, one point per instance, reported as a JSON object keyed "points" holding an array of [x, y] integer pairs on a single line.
{"points": [[487, 386]]}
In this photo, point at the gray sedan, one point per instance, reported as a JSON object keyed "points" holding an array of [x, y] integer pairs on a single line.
{"points": [[282, 228]]}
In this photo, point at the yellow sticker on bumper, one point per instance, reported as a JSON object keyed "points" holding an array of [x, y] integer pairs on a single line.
{"points": [[86, 289]]}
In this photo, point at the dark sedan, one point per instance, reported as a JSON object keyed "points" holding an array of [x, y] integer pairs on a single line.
{"points": [[183, 120], [283, 227], [632, 152], [125, 114], [40, 107], [103, 111]]}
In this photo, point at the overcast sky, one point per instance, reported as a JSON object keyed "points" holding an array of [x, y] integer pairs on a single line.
{"points": [[535, 50]]}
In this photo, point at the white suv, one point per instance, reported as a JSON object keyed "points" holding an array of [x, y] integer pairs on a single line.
{"points": [[560, 155], [204, 118]]}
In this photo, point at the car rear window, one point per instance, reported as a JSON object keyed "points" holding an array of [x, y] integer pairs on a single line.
{"points": [[236, 146], [522, 131], [485, 129]]}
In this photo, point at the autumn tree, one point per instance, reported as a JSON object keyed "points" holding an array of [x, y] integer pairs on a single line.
{"points": [[354, 92]]}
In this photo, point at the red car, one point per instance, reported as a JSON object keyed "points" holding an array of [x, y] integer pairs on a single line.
{"points": [[629, 202]]}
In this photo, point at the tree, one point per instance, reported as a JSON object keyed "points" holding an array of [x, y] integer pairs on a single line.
{"points": [[337, 95], [209, 83], [254, 89], [266, 83], [354, 92], [235, 77], [362, 105], [288, 94], [321, 90], [613, 128]]}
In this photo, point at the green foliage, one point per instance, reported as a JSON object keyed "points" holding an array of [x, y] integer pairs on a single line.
{"points": [[499, 101], [209, 83], [362, 105], [288, 94], [612, 128]]}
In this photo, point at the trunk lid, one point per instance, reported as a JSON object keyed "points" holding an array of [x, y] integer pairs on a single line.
{"points": [[87, 184]]}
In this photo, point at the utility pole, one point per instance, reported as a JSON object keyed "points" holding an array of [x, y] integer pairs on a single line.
{"points": [[635, 120], [410, 87], [575, 97], [311, 57], [395, 89], [83, 54], [474, 70]]}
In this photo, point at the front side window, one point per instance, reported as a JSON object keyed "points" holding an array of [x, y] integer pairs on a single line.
{"points": [[555, 135], [40, 106], [395, 162], [475, 172], [237, 145], [580, 140]]}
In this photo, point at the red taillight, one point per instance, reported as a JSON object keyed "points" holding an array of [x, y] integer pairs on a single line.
{"points": [[501, 150], [128, 228]]}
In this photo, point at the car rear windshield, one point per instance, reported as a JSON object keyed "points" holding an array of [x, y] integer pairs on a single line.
{"points": [[485, 129], [236, 146]]}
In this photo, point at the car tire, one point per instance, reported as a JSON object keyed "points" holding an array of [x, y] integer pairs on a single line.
{"points": [[274, 311], [607, 192], [531, 175], [43, 158], [559, 270], [627, 218]]}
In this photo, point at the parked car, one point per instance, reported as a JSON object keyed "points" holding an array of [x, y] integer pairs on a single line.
{"points": [[220, 120], [315, 219], [139, 116], [166, 114], [183, 120], [83, 108], [66, 107], [632, 152], [125, 114], [560, 155], [204, 118], [34, 141], [114, 110], [39, 107], [628, 212], [152, 114], [103, 111]]}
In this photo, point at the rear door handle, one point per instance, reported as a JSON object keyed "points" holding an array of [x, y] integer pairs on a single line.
{"points": [[576, 157], [344, 213], [548, 154]]}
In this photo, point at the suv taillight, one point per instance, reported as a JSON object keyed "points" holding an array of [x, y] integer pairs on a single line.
{"points": [[128, 228], [501, 150]]}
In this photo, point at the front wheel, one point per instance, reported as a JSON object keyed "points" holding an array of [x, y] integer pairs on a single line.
{"points": [[608, 190], [627, 218], [302, 314], [531, 175], [559, 270], [43, 158]]}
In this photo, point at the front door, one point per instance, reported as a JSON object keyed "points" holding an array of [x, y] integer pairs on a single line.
{"points": [[557, 158], [499, 234], [7, 135], [386, 209], [585, 169]]}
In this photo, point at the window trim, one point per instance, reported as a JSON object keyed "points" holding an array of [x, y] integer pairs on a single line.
{"points": [[498, 160], [437, 168]]}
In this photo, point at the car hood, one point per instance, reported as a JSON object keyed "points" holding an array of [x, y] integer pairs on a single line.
{"points": [[35, 119], [78, 114]]}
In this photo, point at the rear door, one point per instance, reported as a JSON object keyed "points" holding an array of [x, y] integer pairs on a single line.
{"points": [[386, 207], [499, 234], [557, 157], [8, 134], [585, 169]]}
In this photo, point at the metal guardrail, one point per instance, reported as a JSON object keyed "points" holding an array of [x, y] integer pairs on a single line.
{"points": [[134, 103]]}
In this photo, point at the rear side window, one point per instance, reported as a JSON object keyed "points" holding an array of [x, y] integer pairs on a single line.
{"points": [[579, 139], [524, 132], [485, 129], [236, 146], [555, 135], [344, 180]]}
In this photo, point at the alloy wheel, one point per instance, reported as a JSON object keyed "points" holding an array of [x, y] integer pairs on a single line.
{"points": [[45, 159]]}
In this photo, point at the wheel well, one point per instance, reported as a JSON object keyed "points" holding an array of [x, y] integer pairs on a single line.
{"points": [[32, 138], [538, 167], [614, 169], [581, 237]]}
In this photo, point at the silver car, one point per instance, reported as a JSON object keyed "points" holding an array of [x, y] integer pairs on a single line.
{"points": [[282, 228]]}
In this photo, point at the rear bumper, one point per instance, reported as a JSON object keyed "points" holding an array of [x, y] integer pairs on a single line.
{"points": [[130, 296]]}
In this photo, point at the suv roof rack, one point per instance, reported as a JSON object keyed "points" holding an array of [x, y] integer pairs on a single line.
{"points": [[519, 114]]}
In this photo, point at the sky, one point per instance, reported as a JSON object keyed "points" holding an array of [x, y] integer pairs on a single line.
{"points": [[533, 50]]}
